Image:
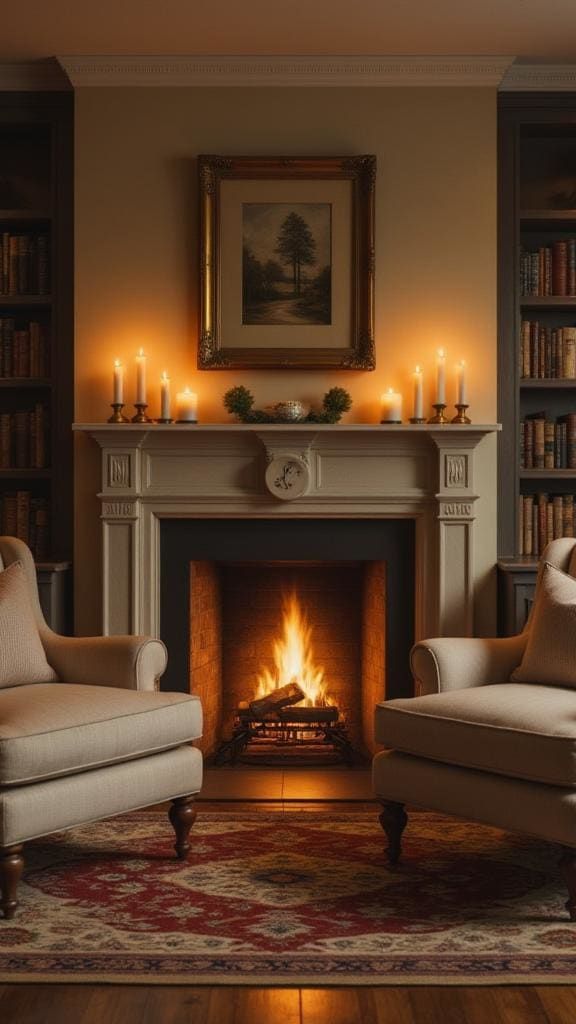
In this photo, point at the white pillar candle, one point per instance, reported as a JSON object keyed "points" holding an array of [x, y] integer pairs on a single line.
{"points": [[187, 406], [141, 378], [391, 406], [118, 383], [441, 377], [418, 398], [165, 396], [462, 389]]}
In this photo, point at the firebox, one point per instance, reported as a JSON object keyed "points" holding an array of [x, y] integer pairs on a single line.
{"points": [[289, 631]]}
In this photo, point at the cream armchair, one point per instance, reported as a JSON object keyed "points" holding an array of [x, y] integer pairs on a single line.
{"points": [[476, 745], [99, 740]]}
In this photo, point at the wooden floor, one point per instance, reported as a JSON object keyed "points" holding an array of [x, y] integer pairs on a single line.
{"points": [[159, 1004], [139, 1004]]}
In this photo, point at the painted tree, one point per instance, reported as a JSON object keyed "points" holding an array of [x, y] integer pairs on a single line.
{"points": [[296, 246]]}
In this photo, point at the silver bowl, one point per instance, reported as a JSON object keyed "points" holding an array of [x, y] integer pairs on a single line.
{"points": [[292, 411]]}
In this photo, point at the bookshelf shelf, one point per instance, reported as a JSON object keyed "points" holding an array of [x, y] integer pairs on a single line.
{"points": [[36, 325], [548, 220], [547, 384], [547, 474], [557, 302]]}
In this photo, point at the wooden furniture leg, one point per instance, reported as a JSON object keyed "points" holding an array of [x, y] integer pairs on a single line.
{"points": [[182, 816], [568, 868], [393, 820], [11, 867]]}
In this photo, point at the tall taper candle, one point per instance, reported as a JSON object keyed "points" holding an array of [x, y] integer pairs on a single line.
{"points": [[118, 383], [141, 378], [165, 396], [441, 377], [418, 398], [461, 383]]}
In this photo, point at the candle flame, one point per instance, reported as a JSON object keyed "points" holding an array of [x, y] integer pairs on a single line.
{"points": [[164, 376], [117, 362], [441, 353], [141, 353], [187, 391], [418, 369], [462, 363]]}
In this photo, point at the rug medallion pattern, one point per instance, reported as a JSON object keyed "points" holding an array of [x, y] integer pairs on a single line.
{"points": [[289, 898]]}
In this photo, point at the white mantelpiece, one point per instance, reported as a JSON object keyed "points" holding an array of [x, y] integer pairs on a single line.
{"points": [[156, 472]]}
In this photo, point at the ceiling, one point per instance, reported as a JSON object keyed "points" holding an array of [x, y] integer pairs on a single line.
{"points": [[37, 28]]}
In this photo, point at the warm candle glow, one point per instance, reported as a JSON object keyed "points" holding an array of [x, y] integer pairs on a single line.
{"points": [[187, 406], [118, 383], [165, 396], [461, 383], [418, 413], [141, 378], [391, 402], [441, 377]]}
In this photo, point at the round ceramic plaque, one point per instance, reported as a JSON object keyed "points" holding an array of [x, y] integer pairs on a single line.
{"points": [[287, 477]]}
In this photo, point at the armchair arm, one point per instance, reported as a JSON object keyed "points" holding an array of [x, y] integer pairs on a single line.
{"points": [[128, 662], [457, 663]]}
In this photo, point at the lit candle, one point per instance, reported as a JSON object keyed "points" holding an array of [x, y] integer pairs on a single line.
{"points": [[164, 396], [461, 383], [441, 377], [418, 400], [118, 383], [391, 406], [187, 406], [141, 378]]}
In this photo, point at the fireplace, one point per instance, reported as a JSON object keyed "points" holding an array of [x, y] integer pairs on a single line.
{"points": [[389, 511], [248, 606]]}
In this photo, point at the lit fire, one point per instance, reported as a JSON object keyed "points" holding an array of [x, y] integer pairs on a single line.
{"points": [[293, 658]]}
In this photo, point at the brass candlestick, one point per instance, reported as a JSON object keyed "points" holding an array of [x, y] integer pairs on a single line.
{"points": [[141, 416], [461, 417], [439, 417], [117, 416]]}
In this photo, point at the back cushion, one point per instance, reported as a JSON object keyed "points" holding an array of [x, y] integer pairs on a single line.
{"points": [[22, 658], [550, 654]]}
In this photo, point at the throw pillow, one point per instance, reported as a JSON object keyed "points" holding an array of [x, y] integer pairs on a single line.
{"points": [[22, 657], [550, 654]]}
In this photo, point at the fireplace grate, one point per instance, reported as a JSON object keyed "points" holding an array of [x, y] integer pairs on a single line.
{"points": [[288, 736]]}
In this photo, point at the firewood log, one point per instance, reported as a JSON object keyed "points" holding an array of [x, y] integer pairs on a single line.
{"points": [[283, 697]]}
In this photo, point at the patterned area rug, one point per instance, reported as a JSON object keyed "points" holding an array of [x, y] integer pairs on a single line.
{"points": [[296, 898]]}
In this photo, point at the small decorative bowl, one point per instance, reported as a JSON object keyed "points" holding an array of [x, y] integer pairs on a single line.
{"points": [[292, 411]]}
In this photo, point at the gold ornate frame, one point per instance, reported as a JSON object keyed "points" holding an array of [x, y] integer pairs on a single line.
{"points": [[359, 353]]}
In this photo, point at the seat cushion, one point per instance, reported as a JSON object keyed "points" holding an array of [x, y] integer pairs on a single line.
{"points": [[52, 729], [22, 657], [550, 654], [516, 729]]}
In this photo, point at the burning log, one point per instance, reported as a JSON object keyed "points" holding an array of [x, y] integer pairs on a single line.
{"points": [[283, 697]]}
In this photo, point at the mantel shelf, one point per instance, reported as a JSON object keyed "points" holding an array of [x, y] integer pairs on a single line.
{"points": [[271, 428]]}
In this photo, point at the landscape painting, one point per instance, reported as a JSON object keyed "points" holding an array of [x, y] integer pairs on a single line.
{"points": [[287, 263]]}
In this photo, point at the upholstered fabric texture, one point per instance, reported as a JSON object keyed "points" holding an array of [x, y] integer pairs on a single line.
{"points": [[525, 731], [30, 811], [550, 655], [22, 657], [458, 663], [511, 804], [131, 662], [55, 729]]}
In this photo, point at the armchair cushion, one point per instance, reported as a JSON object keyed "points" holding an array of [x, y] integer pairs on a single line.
{"points": [[550, 654], [525, 731], [53, 729], [22, 657]]}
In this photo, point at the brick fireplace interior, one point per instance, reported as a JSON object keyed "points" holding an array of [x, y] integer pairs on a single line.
{"points": [[227, 586]]}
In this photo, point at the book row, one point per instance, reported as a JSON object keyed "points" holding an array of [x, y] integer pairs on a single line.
{"points": [[24, 438], [28, 518], [542, 518], [25, 264], [549, 270], [547, 352], [24, 351], [546, 443]]}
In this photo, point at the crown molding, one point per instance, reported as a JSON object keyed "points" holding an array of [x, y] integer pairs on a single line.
{"points": [[539, 77], [33, 76], [284, 71]]}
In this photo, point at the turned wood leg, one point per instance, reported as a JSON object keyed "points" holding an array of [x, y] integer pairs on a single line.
{"points": [[393, 820], [182, 816], [568, 868], [11, 867]]}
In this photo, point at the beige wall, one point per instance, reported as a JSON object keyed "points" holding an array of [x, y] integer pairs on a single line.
{"points": [[136, 254]]}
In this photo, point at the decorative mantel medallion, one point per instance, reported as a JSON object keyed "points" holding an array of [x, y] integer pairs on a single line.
{"points": [[287, 476]]}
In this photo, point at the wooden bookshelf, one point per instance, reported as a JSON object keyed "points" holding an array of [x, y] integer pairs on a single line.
{"points": [[536, 155], [36, 196]]}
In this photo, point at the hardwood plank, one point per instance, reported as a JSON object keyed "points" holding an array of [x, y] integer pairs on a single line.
{"points": [[558, 1002], [432, 1005], [115, 1004], [176, 1004], [334, 1006], [391, 1005], [498, 1005], [255, 1006], [44, 1004]]}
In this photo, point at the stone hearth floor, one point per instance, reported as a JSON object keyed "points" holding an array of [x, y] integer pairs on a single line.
{"points": [[287, 785]]}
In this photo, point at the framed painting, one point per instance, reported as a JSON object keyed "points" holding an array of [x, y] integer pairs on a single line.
{"points": [[286, 262]]}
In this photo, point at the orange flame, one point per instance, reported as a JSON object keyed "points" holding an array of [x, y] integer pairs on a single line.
{"points": [[293, 658]]}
